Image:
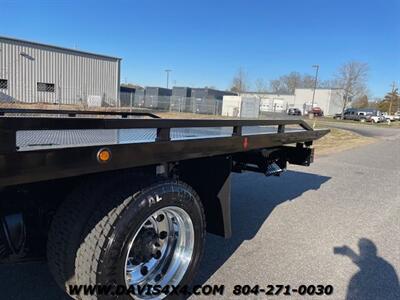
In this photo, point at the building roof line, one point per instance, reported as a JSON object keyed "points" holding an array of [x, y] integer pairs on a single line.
{"points": [[267, 93], [321, 88], [57, 47], [288, 94]]}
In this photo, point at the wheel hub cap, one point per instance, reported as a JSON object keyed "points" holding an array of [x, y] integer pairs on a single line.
{"points": [[161, 250]]}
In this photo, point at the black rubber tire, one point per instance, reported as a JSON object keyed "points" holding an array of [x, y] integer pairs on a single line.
{"points": [[74, 218], [88, 243]]}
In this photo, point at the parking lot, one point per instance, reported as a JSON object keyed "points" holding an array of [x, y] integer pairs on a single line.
{"points": [[285, 230]]}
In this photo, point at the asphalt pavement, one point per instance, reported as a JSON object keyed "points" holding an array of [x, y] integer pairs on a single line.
{"points": [[368, 130], [291, 230]]}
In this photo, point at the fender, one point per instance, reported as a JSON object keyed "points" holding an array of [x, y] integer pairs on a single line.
{"points": [[211, 178]]}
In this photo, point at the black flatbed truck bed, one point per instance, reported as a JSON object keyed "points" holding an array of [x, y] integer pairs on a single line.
{"points": [[44, 153], [44, 160]]}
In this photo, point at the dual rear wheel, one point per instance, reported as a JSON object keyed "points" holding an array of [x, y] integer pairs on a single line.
{"points": [[113, 234]]}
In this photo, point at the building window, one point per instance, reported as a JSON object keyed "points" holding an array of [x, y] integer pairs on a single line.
{"points": [[45, 87], [3, 83]]}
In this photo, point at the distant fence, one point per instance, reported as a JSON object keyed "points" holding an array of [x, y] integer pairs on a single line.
{"points": [[82, 98], [205, 105], [52, 94]]}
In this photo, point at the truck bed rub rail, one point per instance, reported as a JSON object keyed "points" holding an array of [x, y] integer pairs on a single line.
{"points": [[10, 125], [17, 167], [74, 113]]}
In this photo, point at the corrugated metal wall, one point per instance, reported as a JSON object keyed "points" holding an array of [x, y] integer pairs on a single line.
{"points": [[75, 75]]}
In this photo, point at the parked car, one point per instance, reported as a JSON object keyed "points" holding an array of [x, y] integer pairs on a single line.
{"points": [[317, 111], [349, 114], [367, 116], [362, 115], [337, 116], [397, 115], [382, 118], [375, 119], [390, 117], [294, 112]]}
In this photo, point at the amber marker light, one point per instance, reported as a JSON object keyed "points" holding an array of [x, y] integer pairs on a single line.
{"points": [[104, 155]]}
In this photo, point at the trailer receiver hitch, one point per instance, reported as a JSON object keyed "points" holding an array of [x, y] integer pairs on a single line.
{"points": [[273, 169]]}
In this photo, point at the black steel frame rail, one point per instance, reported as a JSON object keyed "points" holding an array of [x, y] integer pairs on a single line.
{"points": [[31, 166], [17, 167], [10, 125], [45, 123], [74, 113]]}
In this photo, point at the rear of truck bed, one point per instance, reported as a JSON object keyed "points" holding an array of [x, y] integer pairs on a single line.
{"points": [[42, 148], [139, 186]]}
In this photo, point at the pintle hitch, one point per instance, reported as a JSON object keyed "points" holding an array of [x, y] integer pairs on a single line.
{"points": [[273, 169], [267, 162]]}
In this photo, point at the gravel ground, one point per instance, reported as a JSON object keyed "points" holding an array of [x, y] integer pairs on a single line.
{"points": [[285, 230]]}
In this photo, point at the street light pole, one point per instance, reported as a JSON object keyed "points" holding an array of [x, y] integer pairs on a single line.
{"points": [[394, 90], [168, 71], [315, 84]]}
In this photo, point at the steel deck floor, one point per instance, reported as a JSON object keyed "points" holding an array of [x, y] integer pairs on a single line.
{"points": [[49, 139]]}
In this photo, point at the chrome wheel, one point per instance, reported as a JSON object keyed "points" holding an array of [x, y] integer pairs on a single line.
{"points": [[160, 251]]}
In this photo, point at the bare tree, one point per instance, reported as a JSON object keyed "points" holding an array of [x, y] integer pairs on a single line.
{"points": [[239, 82], [326, 84], [261, 86], [360, 102], [308, 82], [352, 78], [291, 81], [276, 86], [391, 102], [287, 84]]}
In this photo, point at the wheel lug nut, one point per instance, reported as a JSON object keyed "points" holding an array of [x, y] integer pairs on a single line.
{"points": [[157, 255], [158, 277], [160, 218], [157, 245], [163, 235], [144, 270]]}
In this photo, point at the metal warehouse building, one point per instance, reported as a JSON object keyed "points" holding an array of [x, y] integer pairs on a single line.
{"points": [[36, 73], [330, 100]]}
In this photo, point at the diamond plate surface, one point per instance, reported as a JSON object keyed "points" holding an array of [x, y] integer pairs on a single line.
{"points": [[45, 139]]}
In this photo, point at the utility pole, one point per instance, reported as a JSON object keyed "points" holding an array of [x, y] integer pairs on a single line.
{"points": [[315, 83], [168, 71], [392, 97], [398, 104]]}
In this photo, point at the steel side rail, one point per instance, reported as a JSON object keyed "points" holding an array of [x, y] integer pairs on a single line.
{"points": [[38, 165], [34, 123], [73, 113], [10, 125]]}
